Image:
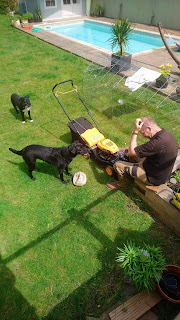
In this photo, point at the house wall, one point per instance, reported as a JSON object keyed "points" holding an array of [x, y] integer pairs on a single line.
{"points": [[143, 11], [49, 13], [84, 6], [31, 6]]}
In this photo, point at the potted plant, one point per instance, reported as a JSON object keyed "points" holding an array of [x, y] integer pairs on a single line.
{"points": [[100, 9], [169, 285], [144, 266], [28, 16], [120, 30], [163, 80], [38, 15], [15, 22]]}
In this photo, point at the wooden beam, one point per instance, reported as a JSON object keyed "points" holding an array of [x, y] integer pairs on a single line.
{"points": [[159, 202]]}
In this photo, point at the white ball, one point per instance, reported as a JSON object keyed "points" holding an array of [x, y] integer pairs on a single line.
{"points": [[120, 101], [79, 179]]}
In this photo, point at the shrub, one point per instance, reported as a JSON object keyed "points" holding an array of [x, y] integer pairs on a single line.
{"points": [[12, 4], [143, 265], [3, 6], [16, 17], [27, 16]]}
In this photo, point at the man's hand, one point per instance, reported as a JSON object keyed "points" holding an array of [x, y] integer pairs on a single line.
{"points": [[133, 142], [138, 125]]}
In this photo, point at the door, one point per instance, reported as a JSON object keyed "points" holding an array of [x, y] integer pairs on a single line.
{"points": [[71, 8]]}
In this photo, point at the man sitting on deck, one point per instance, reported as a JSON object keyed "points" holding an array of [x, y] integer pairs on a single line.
{"points": [[154, 159]]}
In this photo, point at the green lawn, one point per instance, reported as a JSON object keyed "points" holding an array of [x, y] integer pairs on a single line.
{"points": [[59, 242]]}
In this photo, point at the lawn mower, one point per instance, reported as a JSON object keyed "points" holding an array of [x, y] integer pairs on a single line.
{"points": [[103, 151], [175, 200]]}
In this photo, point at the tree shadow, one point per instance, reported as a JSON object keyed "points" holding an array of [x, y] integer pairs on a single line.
{"points": [[105, 288], [13, 305]]}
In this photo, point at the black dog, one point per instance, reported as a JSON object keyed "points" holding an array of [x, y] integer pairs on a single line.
{"points": [[23, 104], [61, 157]]}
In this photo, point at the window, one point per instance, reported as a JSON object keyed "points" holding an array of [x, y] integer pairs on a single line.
{"points": [[66, 1], [76, 1], [50, 3]]}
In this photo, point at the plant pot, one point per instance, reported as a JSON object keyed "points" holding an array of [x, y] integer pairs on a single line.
{"points": [[16, 23], [120, 63], [167, 293], [38, 19], [101, 14], [24, 21], [162, 81]]}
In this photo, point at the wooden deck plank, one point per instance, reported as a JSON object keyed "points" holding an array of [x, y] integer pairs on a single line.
{"points": [[135, 307]]}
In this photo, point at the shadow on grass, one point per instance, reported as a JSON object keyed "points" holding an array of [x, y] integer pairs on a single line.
{"points": [[13, 305], [52, 126], [117, 110], [98, 172], [41, 167], [101, 291], [88, 298], [15, 115]]}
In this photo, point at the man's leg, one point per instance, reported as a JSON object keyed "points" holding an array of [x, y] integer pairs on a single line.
{"points": [[123, 168]]}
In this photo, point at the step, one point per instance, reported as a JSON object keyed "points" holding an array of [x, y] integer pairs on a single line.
{"points": [[136, 306]]}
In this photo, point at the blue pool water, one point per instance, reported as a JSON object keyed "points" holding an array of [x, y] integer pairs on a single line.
{"points": [[98, 34]]}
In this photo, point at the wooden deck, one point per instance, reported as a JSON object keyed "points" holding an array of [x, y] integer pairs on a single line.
{"points": [[135, 307]]}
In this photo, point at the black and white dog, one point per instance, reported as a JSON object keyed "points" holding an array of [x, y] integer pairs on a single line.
{"points": [[61, 157], [23, 104]]}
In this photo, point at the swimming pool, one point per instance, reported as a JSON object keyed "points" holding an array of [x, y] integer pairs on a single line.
{"points": [[98, 34]]}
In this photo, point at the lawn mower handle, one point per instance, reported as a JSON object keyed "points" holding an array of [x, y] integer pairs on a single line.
{"points": [[57, 97], [62, 83], [89, 113]]}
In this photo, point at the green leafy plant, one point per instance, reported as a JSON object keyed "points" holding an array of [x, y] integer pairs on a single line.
{"points": [[100, 9], [27, 16], [7, 5], [177, 176], [120, 30], [143, 265], [12, 4], [165, 69], [16, 17], [38, 14]]}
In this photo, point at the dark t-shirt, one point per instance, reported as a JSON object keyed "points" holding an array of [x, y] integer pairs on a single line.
{"points": [[160, 152]]}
